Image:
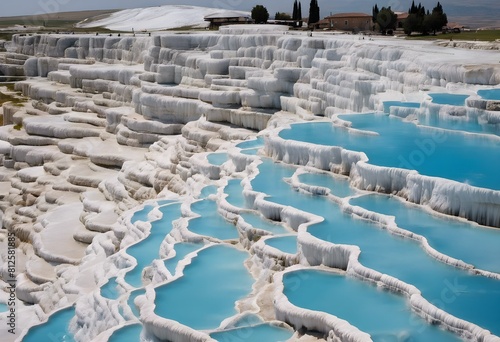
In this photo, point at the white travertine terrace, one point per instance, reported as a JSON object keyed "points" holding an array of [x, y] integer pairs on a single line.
{"points": [[115, 122]]}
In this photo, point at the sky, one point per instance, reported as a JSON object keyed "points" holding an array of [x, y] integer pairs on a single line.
{"points": [[455, 9]]}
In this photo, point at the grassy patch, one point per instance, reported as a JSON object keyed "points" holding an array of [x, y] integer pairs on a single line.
{"points": [[6, 36], [186, 28], [16, 100], [480, 35], [18, 126], [10, 86]]}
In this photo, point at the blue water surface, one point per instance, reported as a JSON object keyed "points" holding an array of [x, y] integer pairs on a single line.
{"points": [[257, 333], [383, 315], [465, 124], [469, 159], [182, 249], [217, 158], [471, 243], [489, 94], [148, 249], [208, 190], [254, 143], [110, 290], [234, 191], [247, 319], [449, 99], [55, 329], [206, 294], [130, 301], [129, 333], [141, 215], [251, 147], [287, 244], [470, 297], [210, 223]]}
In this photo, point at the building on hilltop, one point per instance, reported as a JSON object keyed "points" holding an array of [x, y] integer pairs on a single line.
{"points": [[455, 28], [227, 18], [354, 22], [323, 24], [402, 16]]}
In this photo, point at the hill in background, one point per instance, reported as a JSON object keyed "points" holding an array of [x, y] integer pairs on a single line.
{"points": [[62, 19]]}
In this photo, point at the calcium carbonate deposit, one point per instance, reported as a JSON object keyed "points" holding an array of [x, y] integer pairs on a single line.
{"points": [[126, 226]]}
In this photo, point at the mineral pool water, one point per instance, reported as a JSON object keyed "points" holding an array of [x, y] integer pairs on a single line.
{"points": [[383, 315], [55, 329], [287, 244], [207, 292]]}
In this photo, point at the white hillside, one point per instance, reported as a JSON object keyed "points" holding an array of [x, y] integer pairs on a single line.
{"points": [[154, 18]]}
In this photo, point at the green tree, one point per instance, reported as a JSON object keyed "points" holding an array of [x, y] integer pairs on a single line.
{"points": [[313, 12], [299, 15], [386, 19], [415, 20], [375, 11], [282, 16], [420, 21], [436, 20], [412, 24], [260, 14]]}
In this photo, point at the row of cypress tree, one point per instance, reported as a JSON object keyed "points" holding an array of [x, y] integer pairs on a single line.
{"points": [[418, 20]]}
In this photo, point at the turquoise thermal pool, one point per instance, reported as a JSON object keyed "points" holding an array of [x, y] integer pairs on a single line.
{"points": [[432, 152], [210, 223], [287, 244], [182, 249], [475, 298], [147, 250], [55, 329], [206, 293], [217, 158], [464, 124], [449, 99], [381, 314], [110, 290], [489, 94], [208, 190], [129, 333], [256, 333], [250, 144], [142, 215], [234, 192], [251, 147], [472, 243], [131, 298]]}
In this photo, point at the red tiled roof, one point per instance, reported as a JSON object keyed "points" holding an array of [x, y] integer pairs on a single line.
{"points": [[454, 25]]}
